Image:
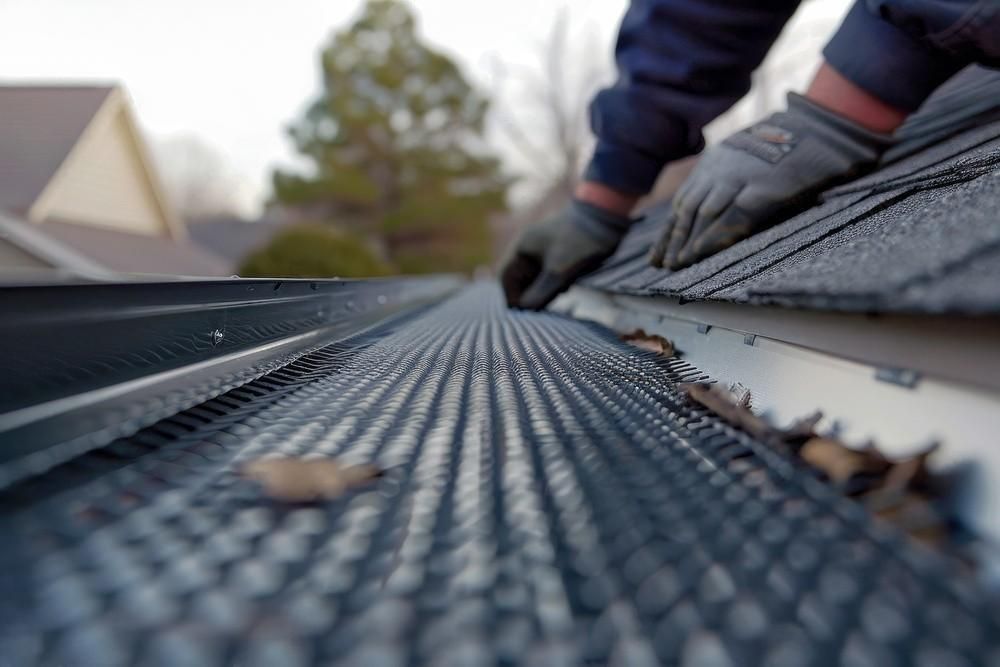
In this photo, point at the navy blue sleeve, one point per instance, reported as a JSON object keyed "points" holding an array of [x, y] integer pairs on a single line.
{"points": [[901, 50], [681, 63]]}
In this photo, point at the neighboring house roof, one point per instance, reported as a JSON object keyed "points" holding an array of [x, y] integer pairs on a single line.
{"points": [[41, 125], [76, 152], [137, 253], [40, 249], [74, 165], [233, 238], [920, 234]]}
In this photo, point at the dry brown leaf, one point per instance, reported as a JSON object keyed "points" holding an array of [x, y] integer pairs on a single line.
{"points": [[890, 489], [802, 430], [651, 342], [909, 473], [900, 492], [913, 513], [723, 404], [307, 480], [839, 462], [903, 499], [742, 395]]}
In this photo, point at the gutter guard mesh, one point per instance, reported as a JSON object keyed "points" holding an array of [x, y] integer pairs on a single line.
{"points": [[549, 499]]}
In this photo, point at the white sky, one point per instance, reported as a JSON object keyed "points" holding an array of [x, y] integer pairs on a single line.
{"points": [[234, 73]]}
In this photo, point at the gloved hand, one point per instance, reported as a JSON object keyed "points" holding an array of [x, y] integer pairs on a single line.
{"points": [[761, 175], [547, 257]]}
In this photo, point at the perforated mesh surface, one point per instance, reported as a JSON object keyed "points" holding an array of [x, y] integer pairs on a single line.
{"points": [[549, 499]]}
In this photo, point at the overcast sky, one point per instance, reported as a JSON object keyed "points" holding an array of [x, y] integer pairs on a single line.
{"points": [[234, 72]]}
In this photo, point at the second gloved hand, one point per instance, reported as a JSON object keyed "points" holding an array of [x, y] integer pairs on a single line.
{"points": [[549, 256], [756, 176]]}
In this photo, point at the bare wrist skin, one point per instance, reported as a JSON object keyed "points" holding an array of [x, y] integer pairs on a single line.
{"points": [[830, 89], [602, 196]]}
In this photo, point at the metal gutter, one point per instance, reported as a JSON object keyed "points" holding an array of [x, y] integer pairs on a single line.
{"points": [[548, 496], [88, 363]]}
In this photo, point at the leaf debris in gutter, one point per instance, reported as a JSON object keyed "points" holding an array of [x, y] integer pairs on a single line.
{"points": [[295, 480], [742, 394], [721, 402], [650, 342], [840, 463], [900, 491]]}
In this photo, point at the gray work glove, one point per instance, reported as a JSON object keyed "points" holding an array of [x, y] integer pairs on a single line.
{"points": [[761, 175], [547, 257]]}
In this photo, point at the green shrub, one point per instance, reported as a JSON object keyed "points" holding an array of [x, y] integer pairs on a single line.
{"points": [[313, 251]]}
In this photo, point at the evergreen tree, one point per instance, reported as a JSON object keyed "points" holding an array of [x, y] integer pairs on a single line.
{"points": [[395, 142]]}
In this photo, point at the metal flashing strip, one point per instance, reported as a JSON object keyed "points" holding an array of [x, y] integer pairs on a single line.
{"points": [[548, 497], [87, 363], [854, 370], [962, 350]]}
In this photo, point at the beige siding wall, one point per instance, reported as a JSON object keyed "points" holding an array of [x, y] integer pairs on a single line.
{"points": [[104, 184]]}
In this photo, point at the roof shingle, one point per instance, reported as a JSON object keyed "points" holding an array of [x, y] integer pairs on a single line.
{"points": [[920, 234]]}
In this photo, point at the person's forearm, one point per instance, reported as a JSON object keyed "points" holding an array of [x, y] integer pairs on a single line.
{"points": [[828, 89], [832, 90], [681, 63], [900, 51], [602, 196]]}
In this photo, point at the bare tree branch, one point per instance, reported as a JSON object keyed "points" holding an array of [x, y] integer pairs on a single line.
{"points": [[545, 117], [197, 178]]}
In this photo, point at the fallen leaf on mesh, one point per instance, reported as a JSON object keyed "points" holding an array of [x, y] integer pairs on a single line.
{"points": [[726, 406], [913, 513], [909, 473], [906, 498], [901, 492], [841, 463], [307, 480], [651, 342], [894, 491], [742, 394], [802, 430]]}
